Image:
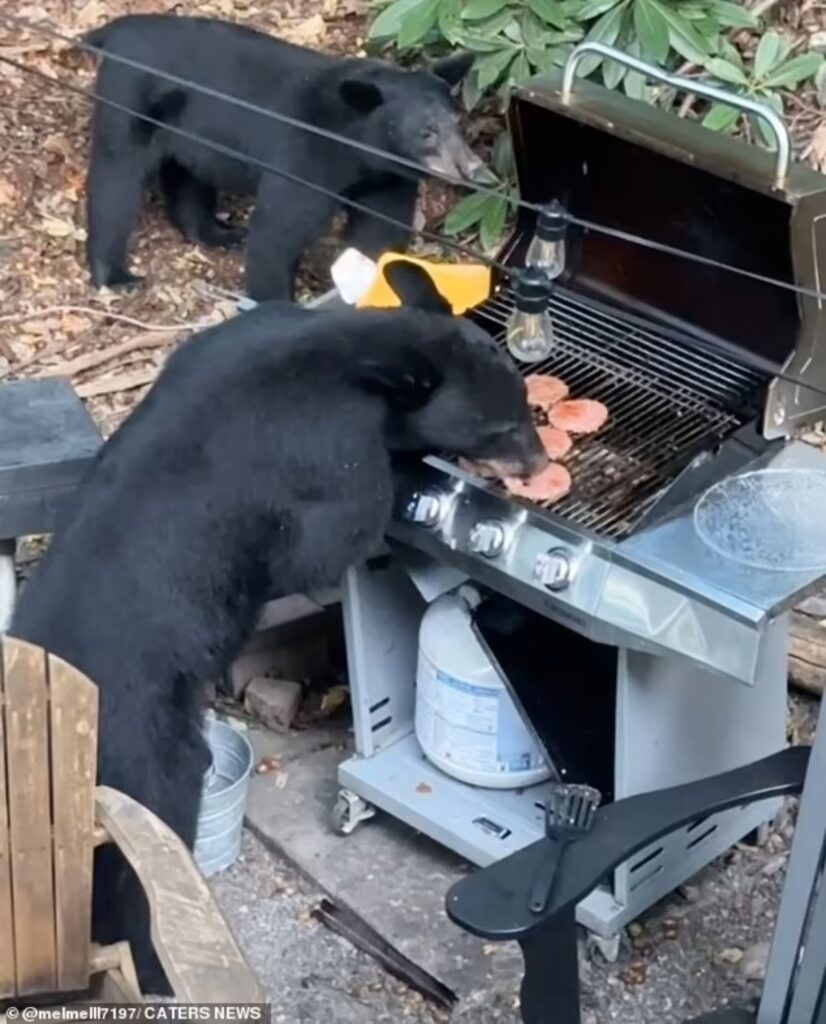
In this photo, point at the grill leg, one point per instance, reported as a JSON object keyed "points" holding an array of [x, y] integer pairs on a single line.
{"points": [[550, 986]]}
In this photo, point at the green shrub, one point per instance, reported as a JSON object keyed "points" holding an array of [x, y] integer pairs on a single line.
{"points": [[516, 39]]}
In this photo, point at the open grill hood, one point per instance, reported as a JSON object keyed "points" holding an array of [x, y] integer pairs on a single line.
{"points": [[635, 168]]}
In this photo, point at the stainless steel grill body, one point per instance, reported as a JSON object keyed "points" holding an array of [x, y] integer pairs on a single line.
{"points": [[688, 362]]}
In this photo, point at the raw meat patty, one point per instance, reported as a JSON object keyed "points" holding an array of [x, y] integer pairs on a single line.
{"points": [[579, 416], [555, 441], [550, 485], [545, 391]]}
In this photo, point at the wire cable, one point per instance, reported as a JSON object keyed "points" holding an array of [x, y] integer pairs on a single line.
{"points": [[262, 165], [420, 169], [504, 270]]}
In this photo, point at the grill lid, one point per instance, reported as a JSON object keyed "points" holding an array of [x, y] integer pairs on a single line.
{"points": [[636, 168]]}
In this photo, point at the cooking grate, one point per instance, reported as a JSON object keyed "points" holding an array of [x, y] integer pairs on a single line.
{"points": [[667, 400]]}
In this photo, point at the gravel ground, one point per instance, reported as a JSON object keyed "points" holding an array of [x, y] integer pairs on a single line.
{"points": [[705, 946]]}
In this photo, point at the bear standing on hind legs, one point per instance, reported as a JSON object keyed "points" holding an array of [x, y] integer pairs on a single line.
{"points": [[411, 114]]}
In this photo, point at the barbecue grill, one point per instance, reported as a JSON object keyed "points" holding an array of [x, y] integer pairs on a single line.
{"points": [[705, 373]]}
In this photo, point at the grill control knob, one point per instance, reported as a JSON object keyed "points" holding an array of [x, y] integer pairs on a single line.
{"points": [[553, 569], [489, 538], [426, 508]]}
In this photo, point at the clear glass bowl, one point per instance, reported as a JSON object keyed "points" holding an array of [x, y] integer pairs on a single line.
{"points": [[772, 519]]}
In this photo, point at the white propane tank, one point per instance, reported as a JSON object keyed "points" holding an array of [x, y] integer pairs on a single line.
{"points": [[466, 721]]}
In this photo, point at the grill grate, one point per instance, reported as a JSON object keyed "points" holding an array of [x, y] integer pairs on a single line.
{"points": [[666, 401]]}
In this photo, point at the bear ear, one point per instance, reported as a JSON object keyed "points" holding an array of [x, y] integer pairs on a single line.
{"points": [[402, 374], [454, 68], [361, 95], [415, 287]]}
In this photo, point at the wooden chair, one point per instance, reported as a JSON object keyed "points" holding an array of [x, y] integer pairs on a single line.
{"points": [[52, 816]]}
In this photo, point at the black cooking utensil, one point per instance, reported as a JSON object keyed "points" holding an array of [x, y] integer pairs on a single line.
{"points": [[569, 813]]}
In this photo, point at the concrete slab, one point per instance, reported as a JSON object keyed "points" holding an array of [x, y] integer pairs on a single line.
{"points": [[391, 877]]}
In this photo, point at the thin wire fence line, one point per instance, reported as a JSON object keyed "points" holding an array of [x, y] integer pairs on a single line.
{"points": [[515, 201], [262, 165], [508, 272]]}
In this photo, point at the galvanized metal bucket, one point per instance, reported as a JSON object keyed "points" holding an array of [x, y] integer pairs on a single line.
{"points": [[224, 797]]}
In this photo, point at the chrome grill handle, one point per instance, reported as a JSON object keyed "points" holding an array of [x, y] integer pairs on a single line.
{"points": [[709, 92]]}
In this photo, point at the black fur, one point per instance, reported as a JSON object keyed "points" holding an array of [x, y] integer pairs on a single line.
{"points": [[408, 113], [258, 465]]}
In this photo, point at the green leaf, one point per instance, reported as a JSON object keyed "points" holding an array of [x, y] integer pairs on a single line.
{"points": [[417, 23], [479, 44], [773, 100], [550, 11], [692, 12], [471, 93], [604, 30], [491, 67], [684, 38], [729, 52], [465, 213], [594, 8], [490, 28], [546, 59], [389, 21], [652, 30], [475, 10], [520, 70], [733, 15], [726, 72], [502, 156], [720, 118], [493, 221], [799, 68], [449, 21], [612, 73], [767, 54]]}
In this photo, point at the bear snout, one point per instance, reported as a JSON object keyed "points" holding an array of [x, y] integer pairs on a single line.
{"points": [[454, 158]]}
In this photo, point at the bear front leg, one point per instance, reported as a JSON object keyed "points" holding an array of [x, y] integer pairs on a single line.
{"points": [[287, 219]]}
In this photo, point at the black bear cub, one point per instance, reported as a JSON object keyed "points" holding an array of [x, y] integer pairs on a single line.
{"points": [[259, 465], [409, 113]]}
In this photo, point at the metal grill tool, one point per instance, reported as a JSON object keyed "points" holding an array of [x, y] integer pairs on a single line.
{"points": [[569, 814]]}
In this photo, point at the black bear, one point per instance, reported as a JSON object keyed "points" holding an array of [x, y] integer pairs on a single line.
{"points": [[258, 465], [408, 113]]}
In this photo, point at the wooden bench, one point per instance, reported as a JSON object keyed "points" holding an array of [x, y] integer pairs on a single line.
{"points": [[52, 815], [47, 441]]}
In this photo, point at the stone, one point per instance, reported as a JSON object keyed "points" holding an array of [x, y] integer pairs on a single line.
{"points": [[273, 701], [755, 961]]}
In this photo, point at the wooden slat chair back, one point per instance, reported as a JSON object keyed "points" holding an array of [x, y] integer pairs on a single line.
{"points": [[51, 817], [48, 729]]}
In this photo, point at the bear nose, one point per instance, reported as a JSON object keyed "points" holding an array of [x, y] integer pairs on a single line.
{"points": [[469, 163]]}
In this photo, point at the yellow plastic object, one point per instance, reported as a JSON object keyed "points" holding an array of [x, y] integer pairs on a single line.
{"points": [[464, 285]]}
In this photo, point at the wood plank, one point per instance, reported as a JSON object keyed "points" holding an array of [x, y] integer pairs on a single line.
{"points": [[73, 719], [27, 751], [807, 653], [7, 972], [202, 960]]}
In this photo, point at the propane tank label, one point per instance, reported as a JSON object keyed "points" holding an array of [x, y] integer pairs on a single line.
{"points": [[475, 727]]}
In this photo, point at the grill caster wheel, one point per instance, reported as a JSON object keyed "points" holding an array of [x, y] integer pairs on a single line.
{"points": [[349, 811]]}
